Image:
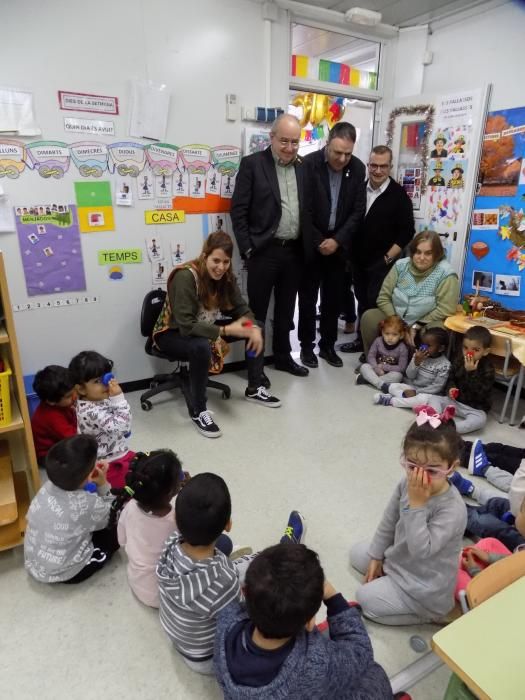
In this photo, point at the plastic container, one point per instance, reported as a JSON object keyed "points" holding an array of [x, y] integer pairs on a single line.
{"points": [[32, 399], [5, 394]]}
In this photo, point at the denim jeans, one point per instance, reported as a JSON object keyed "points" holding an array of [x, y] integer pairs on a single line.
{"points": [[484, 521]]}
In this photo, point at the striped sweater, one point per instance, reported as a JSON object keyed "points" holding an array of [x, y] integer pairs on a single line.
{"points": [[431, 375], [192, 593]]}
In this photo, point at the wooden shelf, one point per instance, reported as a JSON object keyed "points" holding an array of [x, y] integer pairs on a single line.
{"points": [[17, 422], [4, 338], [13, 534]]}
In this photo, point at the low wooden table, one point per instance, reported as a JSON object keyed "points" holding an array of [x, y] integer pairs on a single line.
{"points": [[459, 323], [485, 646]]}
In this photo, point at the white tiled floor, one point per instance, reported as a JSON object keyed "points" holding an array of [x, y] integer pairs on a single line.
{"points": [[328, 452]]}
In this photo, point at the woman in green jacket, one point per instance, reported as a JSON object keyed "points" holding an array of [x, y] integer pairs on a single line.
{"points": [[189, 327], [423, 289]]}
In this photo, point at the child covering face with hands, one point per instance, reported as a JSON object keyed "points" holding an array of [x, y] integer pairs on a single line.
{"points": [[410, 566]]}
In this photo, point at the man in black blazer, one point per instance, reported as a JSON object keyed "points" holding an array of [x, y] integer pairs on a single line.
{"points": [[336, 206], [267, 212], [387, 228]]}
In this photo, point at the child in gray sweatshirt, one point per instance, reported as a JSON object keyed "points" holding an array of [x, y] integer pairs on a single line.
{"points": [[427, 373], [411, 564], [68, 536]]}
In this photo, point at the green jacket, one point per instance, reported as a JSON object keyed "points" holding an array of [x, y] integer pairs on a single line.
{"points": [[435, 306], [182, 305]]}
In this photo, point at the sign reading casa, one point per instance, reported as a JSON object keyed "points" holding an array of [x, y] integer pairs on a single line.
{"points": [[165, 216], [124, 256]]}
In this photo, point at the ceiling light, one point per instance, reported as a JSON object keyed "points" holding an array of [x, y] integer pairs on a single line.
{"points": [[361, 16]]}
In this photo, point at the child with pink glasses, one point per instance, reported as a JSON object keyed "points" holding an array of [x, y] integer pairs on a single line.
{"points": [[411, 564]]}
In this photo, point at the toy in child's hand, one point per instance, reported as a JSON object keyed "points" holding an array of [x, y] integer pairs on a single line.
{"points": [[454, 393], [423, 347], [90, 487], [106, 378], [469, 355], [249, 324]]}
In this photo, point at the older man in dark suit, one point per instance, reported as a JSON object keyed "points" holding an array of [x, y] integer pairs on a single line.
{"points": [[267, 216], [336, 206]]}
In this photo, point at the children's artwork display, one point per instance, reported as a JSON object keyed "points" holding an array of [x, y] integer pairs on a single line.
{"points": [[197, 178], [496, 248], [49, 240]]}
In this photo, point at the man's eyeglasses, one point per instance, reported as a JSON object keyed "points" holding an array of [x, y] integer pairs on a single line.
{"points": [[294, 143], [375, 166], [431, 471]]}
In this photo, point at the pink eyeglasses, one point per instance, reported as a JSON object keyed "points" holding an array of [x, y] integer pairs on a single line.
{"points": [[431, 471]]}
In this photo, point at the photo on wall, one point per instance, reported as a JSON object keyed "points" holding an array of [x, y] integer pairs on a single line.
{"points": [[482, 281], [508, 285]]}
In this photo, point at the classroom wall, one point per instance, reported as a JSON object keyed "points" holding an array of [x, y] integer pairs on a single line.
{"points": [[485, 48], [201, 50]]}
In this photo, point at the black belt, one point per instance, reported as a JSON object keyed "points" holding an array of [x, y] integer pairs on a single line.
{"points": [[285, 242]]}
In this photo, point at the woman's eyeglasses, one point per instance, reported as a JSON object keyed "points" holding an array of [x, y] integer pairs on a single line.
{"points": [[436, 472]]}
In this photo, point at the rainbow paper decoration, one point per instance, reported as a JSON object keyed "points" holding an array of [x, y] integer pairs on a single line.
{"points": [[332, 72]]}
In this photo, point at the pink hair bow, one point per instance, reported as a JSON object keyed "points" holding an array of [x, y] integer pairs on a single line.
{"points": [[427, 414]]}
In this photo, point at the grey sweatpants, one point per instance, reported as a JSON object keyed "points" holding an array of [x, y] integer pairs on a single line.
{"points": [[467, 419], [368, 373], [382, 601], [498, 478]]}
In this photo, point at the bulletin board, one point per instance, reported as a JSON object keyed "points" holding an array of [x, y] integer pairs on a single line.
{"points": [[93, 215], [495, 260]]}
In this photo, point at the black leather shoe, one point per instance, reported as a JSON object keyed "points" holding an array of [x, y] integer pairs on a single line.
{"points": [[331, 357], [354, 346], [309, 358], [265, 381], [362, 358], [289, 365]]}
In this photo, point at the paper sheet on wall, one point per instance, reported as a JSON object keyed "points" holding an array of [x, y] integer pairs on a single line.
{"points": [[149, 111], [7, 219], [16, 113]]}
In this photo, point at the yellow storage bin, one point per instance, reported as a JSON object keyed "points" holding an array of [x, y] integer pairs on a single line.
{"points": [[5, 394]]}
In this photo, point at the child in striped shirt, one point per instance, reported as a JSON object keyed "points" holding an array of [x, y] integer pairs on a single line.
{"points": [[196, 580]]}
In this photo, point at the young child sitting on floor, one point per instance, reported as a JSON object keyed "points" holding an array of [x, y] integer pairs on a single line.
{"points": [[55, 417], [410, 566], [488, 551], [469, 384], [68, 537], [495, 517], [387, 357], [270, 648], [102, 411], [147, 518], [427, 373], [197, 580]]}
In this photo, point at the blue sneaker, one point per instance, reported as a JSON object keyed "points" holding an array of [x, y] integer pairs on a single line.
{"points": [[295, 530], [464, 486], [478, 462]]}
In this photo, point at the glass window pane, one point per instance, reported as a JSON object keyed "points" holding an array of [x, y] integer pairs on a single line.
{"points": [[320, 54]]}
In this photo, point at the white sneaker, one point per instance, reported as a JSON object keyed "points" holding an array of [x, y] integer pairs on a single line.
{"points": [[239, 551], [262, 397], [206, 425]]}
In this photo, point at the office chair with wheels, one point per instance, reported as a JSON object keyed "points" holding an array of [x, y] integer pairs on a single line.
{"points": [[179, 378]]}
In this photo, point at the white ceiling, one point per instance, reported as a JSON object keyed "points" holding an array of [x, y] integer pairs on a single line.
{"points": [[403, 13]]}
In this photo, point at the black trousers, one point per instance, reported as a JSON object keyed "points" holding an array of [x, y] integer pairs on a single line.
{"points": [[485, 521], [348, 298], [105, 544], [325, 274], [368, 279], [506, 457], [278, 269], [197, 352]]}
